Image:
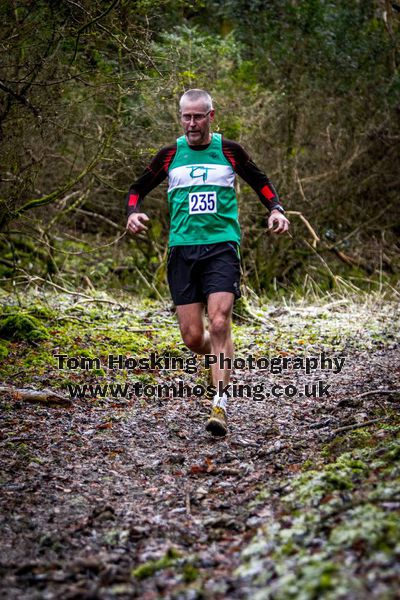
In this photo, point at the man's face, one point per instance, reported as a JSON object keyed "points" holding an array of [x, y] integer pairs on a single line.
{"points": [[196, 119]]}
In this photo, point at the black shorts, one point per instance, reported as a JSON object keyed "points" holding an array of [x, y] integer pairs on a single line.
{"points": [[194, 272]]}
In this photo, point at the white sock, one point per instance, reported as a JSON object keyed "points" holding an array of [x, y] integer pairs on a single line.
{"points": [[220, 401]]}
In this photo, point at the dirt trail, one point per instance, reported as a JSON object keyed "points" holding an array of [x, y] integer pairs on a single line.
{"points": [[90, 493]]}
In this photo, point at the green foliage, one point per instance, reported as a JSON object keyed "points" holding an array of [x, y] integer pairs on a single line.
{"points": [[151, 567], [311, 89], [3, 349], [344, 474], [22, 327], [360, 438], [306, 551], [370, 526], [171, 560], [190, 573]]}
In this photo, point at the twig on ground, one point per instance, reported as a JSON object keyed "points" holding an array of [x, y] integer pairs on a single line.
{"points": [[359, 425], [55, 285], [150, 285], [314, 234], [43, 396], [187, 504], [373, 392]]}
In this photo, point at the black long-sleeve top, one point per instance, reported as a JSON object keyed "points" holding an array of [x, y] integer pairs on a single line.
{"points": [[241, 163]]}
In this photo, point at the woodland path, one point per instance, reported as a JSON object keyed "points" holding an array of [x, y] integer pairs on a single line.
{"points": [[91, 492]]}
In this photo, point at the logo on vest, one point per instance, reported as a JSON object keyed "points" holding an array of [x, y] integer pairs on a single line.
{"points": [[200, 172]]}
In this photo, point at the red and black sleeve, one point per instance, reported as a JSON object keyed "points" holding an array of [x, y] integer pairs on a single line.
{"points": [[153, 175], [248, 170]]}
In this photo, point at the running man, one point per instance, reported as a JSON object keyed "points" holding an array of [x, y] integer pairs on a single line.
{"points": [[204, 237]]}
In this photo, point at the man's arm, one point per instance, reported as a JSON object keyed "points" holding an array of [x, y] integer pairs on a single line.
{"points": [[258, 180], [248, 170], [152, 176]]}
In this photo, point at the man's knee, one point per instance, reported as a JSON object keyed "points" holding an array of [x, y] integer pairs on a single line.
{"points": [[192, 338], [220, 325]]}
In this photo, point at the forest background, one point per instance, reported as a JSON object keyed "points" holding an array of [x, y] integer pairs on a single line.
{"points": [[89, 93]]}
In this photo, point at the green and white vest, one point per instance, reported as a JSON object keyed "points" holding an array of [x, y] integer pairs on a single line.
{"points": [[201, 196]]}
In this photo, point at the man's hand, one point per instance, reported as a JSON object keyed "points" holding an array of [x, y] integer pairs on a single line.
{"points": [[136, 222], [277, 222]]}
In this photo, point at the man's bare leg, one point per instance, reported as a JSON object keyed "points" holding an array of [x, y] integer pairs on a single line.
{"points": [[217, 341], [193, 332], [220, 313], [220, 305]]}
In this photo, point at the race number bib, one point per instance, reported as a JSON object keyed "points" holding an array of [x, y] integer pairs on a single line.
{"points": [[201, 203]]}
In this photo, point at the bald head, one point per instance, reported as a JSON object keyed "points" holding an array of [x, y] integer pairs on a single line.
{"points": [[194, 96]]}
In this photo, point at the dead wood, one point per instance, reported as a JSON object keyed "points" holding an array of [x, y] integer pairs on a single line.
{"points": [[45, 396]]}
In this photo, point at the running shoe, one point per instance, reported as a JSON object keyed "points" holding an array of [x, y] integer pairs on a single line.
{"points": [[217, 423]]}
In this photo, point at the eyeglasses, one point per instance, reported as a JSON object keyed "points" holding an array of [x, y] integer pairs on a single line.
{"points": [[196, 118]]}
